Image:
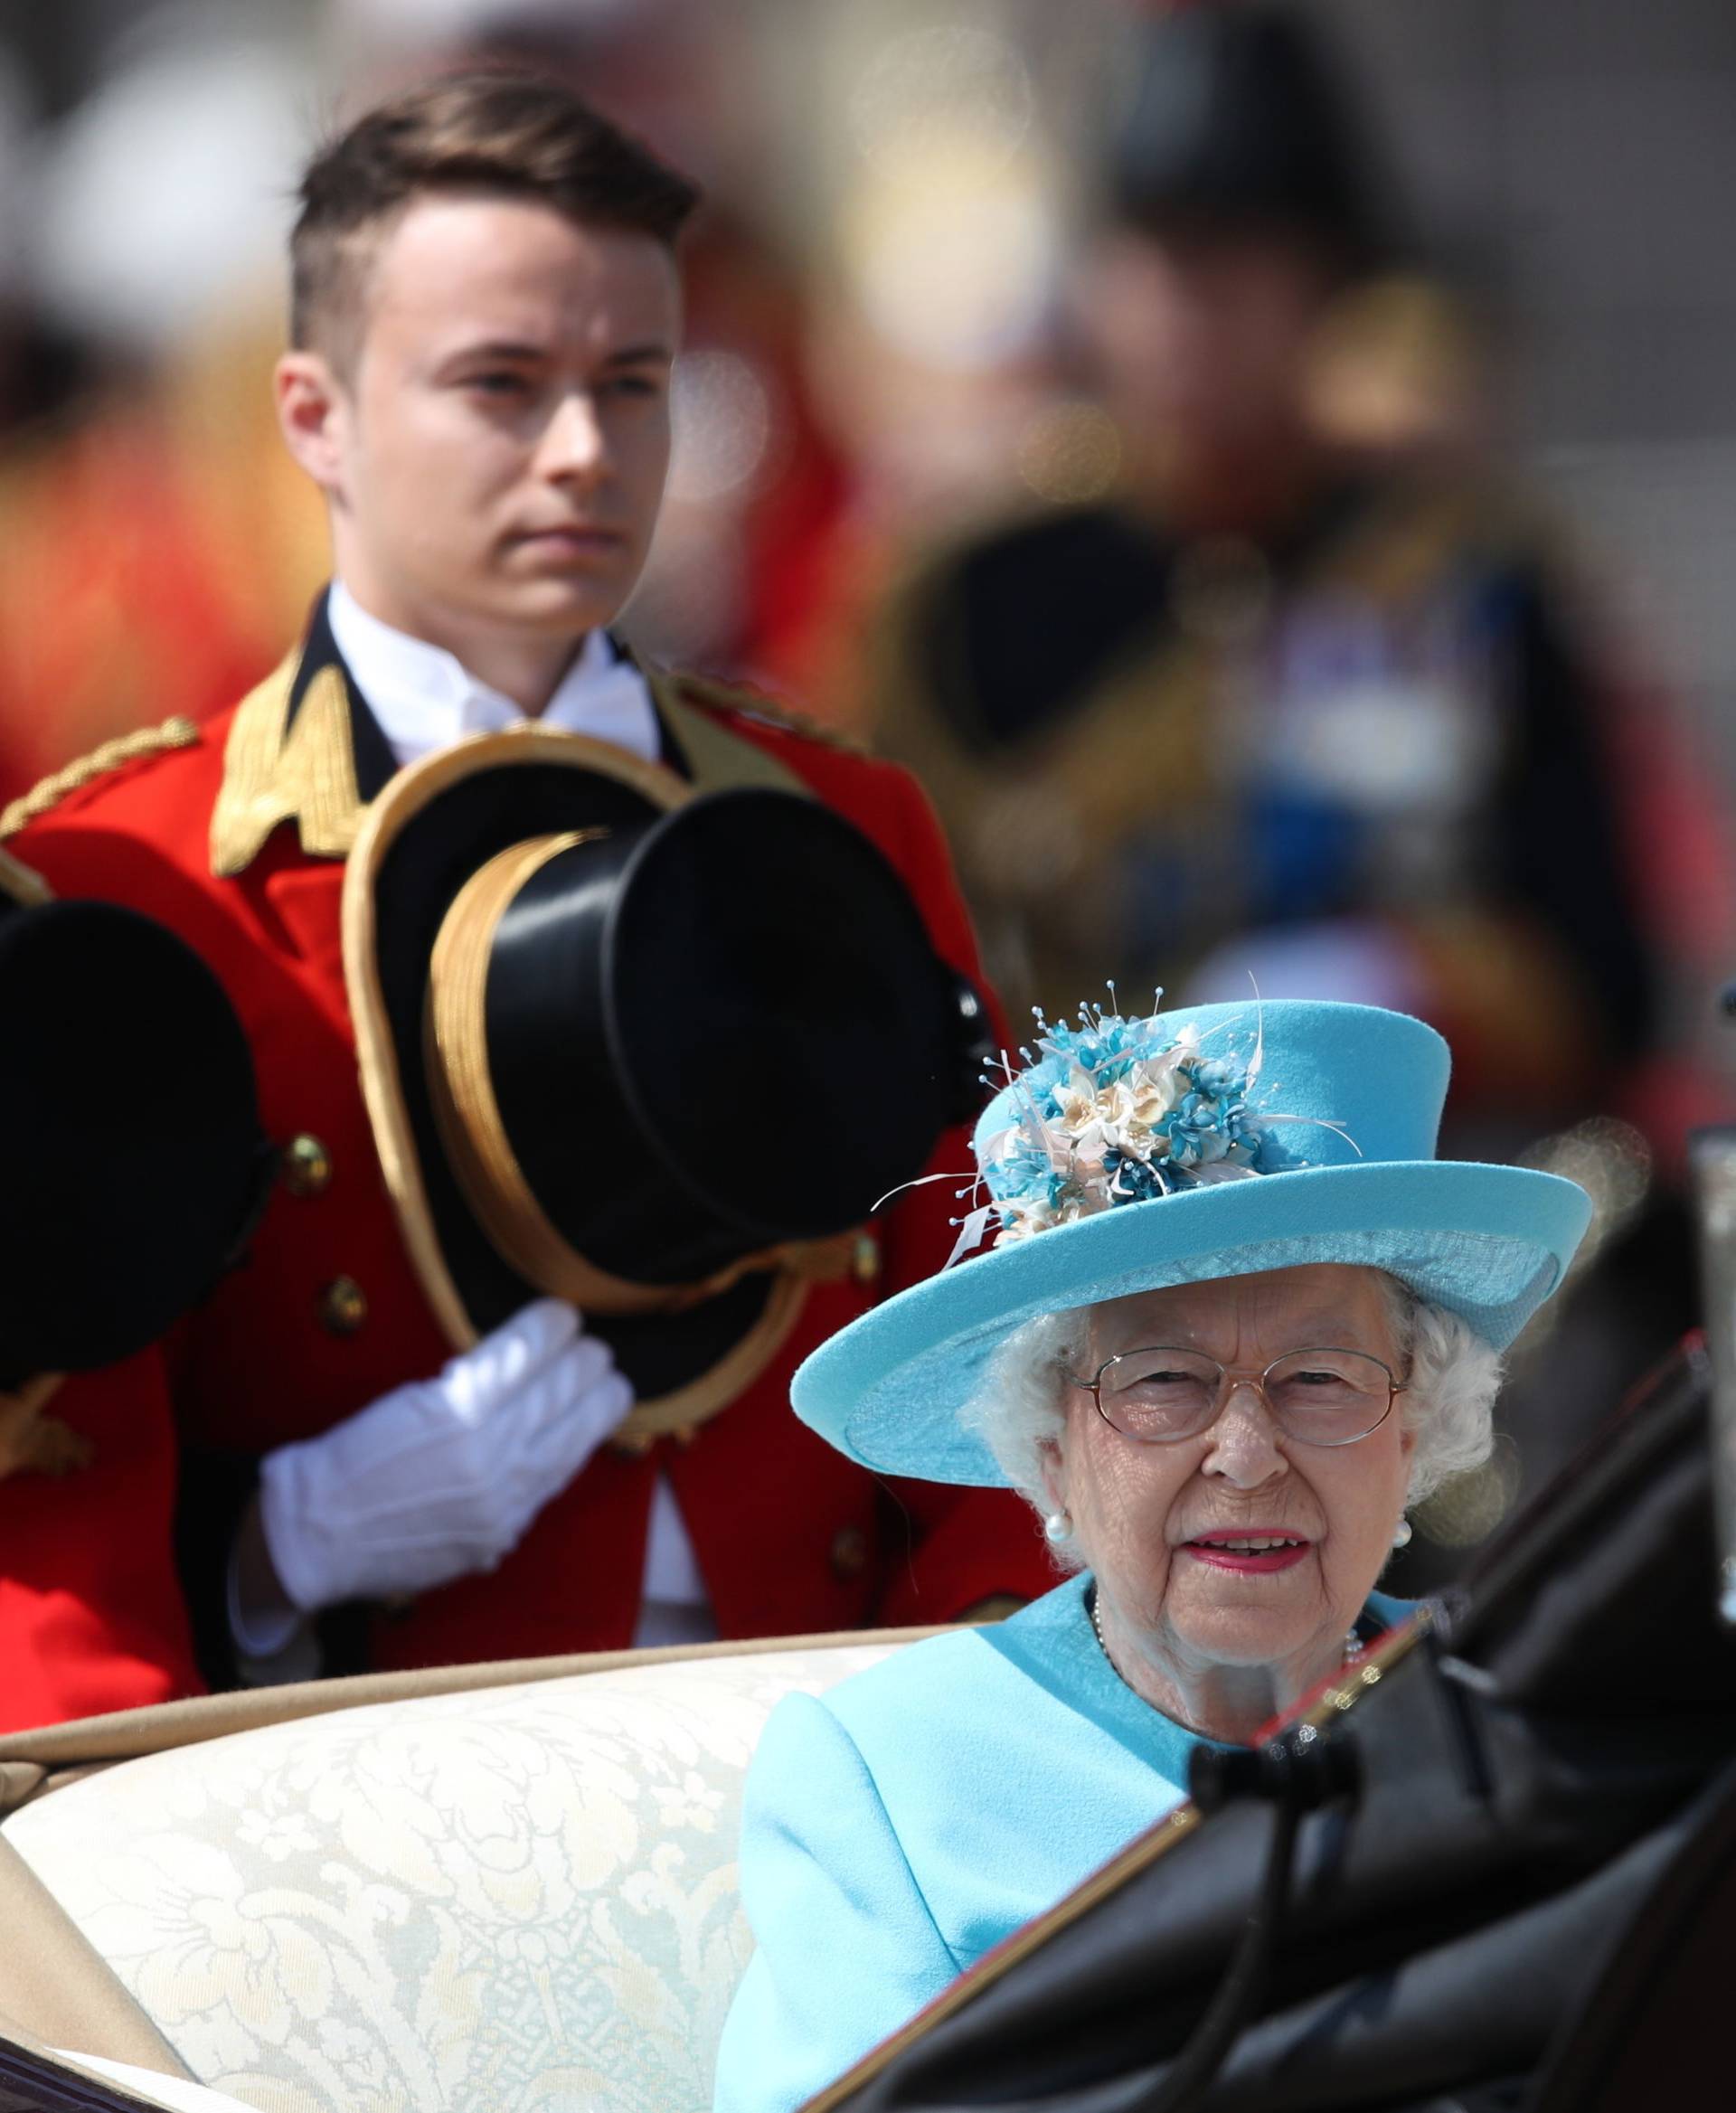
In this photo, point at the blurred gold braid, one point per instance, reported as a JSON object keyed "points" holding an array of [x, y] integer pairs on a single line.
{"points": [[127, 748]]}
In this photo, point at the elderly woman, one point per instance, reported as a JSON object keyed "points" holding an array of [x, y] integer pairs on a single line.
{"points": [[1235, 1317]]}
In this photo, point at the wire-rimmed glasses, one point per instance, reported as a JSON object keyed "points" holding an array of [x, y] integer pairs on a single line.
{"points": [[1320, 1397]]}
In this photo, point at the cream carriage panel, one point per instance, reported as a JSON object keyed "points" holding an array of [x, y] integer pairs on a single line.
{"points": [[521, 1896]]}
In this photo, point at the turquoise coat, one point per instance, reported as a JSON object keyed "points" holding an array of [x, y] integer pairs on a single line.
{"points": [[897, 1827]]}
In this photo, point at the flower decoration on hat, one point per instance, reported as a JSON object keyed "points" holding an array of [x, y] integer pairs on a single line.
{"points": [[1205, 1142], [1113, 1111]]}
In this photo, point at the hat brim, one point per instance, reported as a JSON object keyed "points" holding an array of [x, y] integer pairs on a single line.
{"points": [[1489, 1244]]}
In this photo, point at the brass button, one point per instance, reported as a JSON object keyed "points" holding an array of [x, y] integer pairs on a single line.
{"points": [[632, 1444], [343, 1306], [849, 1553], [865, 1259], [306, 1166]]}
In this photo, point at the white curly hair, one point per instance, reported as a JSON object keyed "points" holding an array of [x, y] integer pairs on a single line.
{"points": [[1448, 1402]]}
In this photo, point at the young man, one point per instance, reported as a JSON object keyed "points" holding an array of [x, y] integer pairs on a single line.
{"points": [[486, 309]]}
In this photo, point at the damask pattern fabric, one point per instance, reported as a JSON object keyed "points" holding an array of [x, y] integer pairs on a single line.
{"points": [[524, 1897]]}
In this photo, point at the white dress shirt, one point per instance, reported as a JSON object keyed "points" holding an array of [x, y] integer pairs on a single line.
{"points": [[425, 699]]}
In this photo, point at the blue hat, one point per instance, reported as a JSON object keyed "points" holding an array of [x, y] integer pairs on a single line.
{"points": [[1192, 1145]]}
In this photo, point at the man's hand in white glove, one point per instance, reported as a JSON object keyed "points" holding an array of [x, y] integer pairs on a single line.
{"points": [[442, 1477]]}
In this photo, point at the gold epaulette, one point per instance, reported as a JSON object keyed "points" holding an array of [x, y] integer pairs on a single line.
{"points": [[127, 748], [751, 705]]}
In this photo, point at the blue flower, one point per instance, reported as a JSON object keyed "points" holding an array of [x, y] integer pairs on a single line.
{"points": [[1137, 1181], [1220, 1077]]}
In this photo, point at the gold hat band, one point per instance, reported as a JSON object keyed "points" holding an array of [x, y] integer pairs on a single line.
{"points": [[462, 1088]]}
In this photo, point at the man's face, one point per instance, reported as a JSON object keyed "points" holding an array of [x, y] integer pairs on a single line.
{"points": [[495, 455], [1204, 337]]}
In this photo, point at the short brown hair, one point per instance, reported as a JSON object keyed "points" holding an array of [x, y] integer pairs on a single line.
{"points": [[508, 133]]}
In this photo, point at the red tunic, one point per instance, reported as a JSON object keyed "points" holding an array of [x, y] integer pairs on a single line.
{"points": [[789, 1535], [90, 1615]]}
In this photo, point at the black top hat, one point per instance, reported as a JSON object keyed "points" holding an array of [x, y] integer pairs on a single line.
{"points": [[653, 1052], [134, 1163], [1240, 115]]}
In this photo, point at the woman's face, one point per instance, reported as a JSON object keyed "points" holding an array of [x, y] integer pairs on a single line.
{"points": [[1145, 1514]]}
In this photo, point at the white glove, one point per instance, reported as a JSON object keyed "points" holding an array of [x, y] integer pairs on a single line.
{"points": [[442, 1477]]}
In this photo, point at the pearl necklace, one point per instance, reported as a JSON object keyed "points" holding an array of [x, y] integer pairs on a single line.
{"points": [[1352, 1642]]}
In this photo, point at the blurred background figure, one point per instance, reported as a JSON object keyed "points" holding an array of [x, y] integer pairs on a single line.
{"points": [[157, 548], [38, 366], [1299, 693], [1083, 405]]}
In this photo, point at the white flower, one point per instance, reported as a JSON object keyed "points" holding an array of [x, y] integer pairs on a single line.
{"points": [[1076, 1100]]}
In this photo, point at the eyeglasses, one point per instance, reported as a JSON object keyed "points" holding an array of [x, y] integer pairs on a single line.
{"points": [[1325, 1397]]}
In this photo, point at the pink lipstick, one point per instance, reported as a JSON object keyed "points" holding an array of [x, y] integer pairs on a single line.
{"points": [[1254, 1554]]}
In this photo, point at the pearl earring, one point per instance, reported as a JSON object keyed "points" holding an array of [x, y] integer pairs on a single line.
{"points": [[1058, 1527], [1401, 1535]]}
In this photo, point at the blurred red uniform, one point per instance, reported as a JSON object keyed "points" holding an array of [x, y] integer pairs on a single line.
{"points": [[92, 1618]]}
